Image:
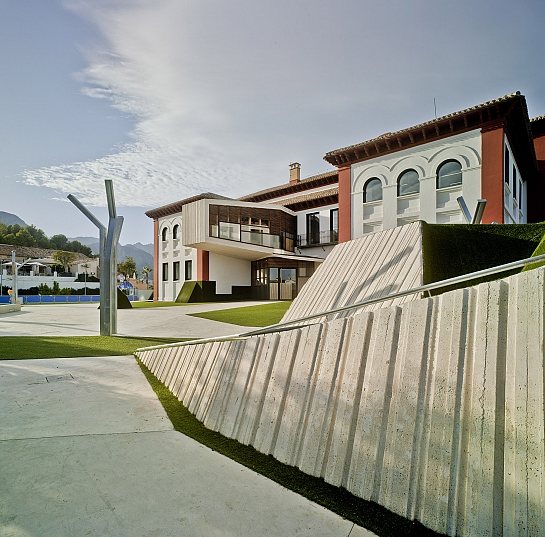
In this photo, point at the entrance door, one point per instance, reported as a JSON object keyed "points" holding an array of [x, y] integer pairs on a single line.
{"points": [[282, 283], [273, 284], [288, 283]]}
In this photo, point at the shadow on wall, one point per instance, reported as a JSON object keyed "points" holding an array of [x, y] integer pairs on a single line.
{"points": [[405, 406]]}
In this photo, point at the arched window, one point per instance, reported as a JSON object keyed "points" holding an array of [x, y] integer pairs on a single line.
{"points": [[408, 183], [176, 232], [372, 191], [449, 174], [164, 234]]}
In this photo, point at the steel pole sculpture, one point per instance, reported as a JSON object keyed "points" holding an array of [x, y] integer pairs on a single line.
{"points": [[479, 210], [15, 283], [108, 239]]}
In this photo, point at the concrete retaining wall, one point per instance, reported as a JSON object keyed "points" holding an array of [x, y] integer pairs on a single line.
{"points": [[9, 308], [372, 266], [433, 409]]}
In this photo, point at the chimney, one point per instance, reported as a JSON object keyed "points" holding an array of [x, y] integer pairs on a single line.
{"points": [[295, 173]]}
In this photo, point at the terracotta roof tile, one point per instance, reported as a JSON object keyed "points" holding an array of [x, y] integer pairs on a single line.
{"points": [[311, 196], [35, 253], [426, 123], [320, 179]]}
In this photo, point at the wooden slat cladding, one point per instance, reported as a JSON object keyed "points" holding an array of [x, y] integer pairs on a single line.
{"points": [[278, 220]]}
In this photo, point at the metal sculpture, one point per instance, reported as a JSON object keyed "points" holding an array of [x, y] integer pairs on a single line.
{"points": [[479, 210], [108, 239]]}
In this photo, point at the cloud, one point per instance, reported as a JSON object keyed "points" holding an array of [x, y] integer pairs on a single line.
{"points": [[143, 175], [223, 95]]}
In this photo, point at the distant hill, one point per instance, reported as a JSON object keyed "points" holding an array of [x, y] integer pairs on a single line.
{"points": [[146, 247], [11, 219], [141, 253]]}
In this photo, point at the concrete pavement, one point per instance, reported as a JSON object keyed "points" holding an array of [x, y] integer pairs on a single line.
{"points": [[83, 320], [87, 449]]}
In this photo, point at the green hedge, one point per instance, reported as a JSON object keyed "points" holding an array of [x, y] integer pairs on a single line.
{"points": [[540, 250], [202, 291], [450, 250]]}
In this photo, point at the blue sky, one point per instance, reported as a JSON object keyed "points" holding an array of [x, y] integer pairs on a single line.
{"points": [[170, 98]]}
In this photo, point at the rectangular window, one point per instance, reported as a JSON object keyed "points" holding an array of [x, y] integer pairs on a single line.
{"points": [[188, 270], [506, 167], [165, 272], [176, 271], [333, 225], [514, 182], [313, 228]]}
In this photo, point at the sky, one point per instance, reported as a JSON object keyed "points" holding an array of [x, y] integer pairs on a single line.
{"points": [[171, 98]]}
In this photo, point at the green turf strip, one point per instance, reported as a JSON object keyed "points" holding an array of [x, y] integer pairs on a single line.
{"points": [[260, 315], [338, 500], [23, 347]]}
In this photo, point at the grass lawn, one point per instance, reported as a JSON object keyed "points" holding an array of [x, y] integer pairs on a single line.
{"points": [[364, 513], [22, 347], [261, 315]]}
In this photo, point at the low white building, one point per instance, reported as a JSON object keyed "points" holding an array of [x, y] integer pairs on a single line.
{"points": [[34, 269], [265, 245]]}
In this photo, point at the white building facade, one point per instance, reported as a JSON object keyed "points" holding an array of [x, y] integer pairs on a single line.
{"points": [[491, 151]]}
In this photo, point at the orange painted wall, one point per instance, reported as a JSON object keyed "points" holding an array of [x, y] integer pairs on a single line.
{"points": [[492, 174], [345, 218], [203, 265], [536, 189]]}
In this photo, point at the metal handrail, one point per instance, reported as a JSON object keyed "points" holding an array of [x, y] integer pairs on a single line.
{"points": [[288, 325]]}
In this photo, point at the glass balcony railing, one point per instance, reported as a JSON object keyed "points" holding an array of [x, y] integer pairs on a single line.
{"points": [[233, 232]]}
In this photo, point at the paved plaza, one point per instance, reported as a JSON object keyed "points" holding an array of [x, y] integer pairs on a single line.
{"points": [[86, 448], [83, 320]]}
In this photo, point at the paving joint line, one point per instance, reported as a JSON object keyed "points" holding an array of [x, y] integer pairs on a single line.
{"points": [[88, 434]]}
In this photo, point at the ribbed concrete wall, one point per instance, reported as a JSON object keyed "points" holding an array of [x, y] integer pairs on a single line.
{"points": [[369, 267], [434, 409]]}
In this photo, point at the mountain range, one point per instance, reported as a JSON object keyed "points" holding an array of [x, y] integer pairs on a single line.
{"points": [[141, 253], [10, 219]]}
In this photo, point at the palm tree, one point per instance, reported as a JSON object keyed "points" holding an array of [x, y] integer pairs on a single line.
{"points": [[146, 272]]}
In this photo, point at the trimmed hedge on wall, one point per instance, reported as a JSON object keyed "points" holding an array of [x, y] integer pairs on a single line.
{"points": [[202, 291], [450, 250]]}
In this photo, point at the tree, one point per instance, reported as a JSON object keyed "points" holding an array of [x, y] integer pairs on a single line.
{"points": [[128, 267], [59, 241], [76, 246], [24, 238], [64, 258], [146, 272]]}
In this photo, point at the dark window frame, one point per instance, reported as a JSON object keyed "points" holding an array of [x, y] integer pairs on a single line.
{"points": [[176, 271], [313, 228], [164, 233], [437, 178], [188, 270], [165, 272], [506, 165], [367, 185], [175, 230], [400, 177]]}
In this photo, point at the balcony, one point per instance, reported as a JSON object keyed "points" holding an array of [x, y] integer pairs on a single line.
{"points": [[247, 235], [321, 238]]}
